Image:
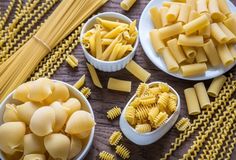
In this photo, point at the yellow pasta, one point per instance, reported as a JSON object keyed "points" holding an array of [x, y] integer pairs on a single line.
{"points": [[202, 6], [163, 99], [160, 119], [232, 51], [115, 138], [193, 69], [216, 86], [176, 50], [173, 13], [218, 33], [156, 40], [80, 82], [225, 55], [119, 85], [216, 15], [130, 115], [170, 62], [193, 15], [143, 128], [106, 156], [113, 113], [168, 3], [115, 32], [164, 87], [163, 11], [192, 40], [171, 30], [98, 43], [190, 52], [127, 4], [230, 24], [138, 71], [192, 101], [184, 13], [122, 151], [147, 100], [211, 53], [94, 75], [72, 61], [123, 51], [205, 32], [196, 24], [223, 6], [142, 113], [156, 17], [142, 89], [230, 36], [106, 41], [115, 52], [192, 3], [183, 124], [109, 24], [202, 95], [153, 112], [86, 91], [201, 55], [172, 105]]}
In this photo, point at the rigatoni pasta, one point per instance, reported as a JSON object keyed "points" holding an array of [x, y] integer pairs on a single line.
{"points": [[184, 13], [173, 13], [193, 40], [119, 85], [211, 53], [156, 17], [170, 62], [214, 10], [171, 30], [176, 50], [216, 86], [225, 55], [192, 101], [127, 4], [201, 55], [202, 95], [193, 69], [156, 40]]}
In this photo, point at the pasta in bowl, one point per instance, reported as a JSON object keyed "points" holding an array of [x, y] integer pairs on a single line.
{"points": [[47, 117], [150, 113], [109, 41]]}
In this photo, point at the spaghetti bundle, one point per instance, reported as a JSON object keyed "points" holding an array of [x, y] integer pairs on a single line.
{"points": [[67, 16]]}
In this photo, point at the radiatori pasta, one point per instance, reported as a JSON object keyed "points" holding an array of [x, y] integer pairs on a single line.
{"points": [[151, 107], [187, 34]]}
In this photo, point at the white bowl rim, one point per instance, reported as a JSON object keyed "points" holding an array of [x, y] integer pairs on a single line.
{"points": [[90, 141], [108, 14], [164, 124]]}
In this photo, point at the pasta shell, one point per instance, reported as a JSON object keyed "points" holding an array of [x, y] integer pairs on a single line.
{"points": [[10, 113], [26, 111], [11, 135], [61, 116], [40, 89], [72, 105], [84, 134], [34, 157], [33, 144], [21, 93], [75, 146], [57, 145], [17, 155], [60, 93], [80, 121], [43, 121]]}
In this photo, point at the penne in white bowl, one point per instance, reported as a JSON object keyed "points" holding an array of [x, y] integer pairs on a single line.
{"points": [[107, 66], [84, 104], [153, 136]]}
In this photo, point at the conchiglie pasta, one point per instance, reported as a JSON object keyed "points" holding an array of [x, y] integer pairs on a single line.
{"points": [[35, 157], [33, 144], [10, 113], [21, 93], [72, 105], [75, 146], [84, 134]]}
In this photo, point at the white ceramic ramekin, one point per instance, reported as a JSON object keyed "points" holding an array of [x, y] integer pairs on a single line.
{"points": [[74, 93], [151, 137], [107, 66]]}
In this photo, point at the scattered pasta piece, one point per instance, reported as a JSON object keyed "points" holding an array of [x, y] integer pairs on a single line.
{"points": [[192, 101], [183, 124], [122, 151], [106, 156], [127, 4], [115, 138], [72, 61], [119, 85], [138, 71], [86, 91], [80, 82], [94, 75], [216, 86], [143, 128], [113, 113]]}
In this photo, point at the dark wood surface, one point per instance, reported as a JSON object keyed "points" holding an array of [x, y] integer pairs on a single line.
{"points": [[104, 99]]}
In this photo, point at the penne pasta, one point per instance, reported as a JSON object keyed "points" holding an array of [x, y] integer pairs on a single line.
{"points": [[156, 40], [171, 30], [109, 24], [176, 51], [225, 55], [98, 43], [201, 55], [214, 10], [132, 27], [190, 52], [123, 50], [216, 86], [170, 62], [94, 75], [193, 69], [156, 17], [92, 45], [173, 13], [184, 13], [119, 85], [211, 53], [193, 40], [115, 52], [218, 34], [192, 101], [115, 32], [80, 82], [106, 41], [202, 95]]}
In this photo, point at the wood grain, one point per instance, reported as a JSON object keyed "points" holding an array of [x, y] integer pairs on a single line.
{"points": [[103, 99]]}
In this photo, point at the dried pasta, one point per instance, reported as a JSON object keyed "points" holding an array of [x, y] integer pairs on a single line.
{"points": [[113, 113], [192, 101], [216, 86], [119, 85], [106, 156], [86, 91], [143, 128], [202, 96], [94, 75], [122, 151], [72, 61], [80, 82], [115, 138], [127, 4], [183, 124]]}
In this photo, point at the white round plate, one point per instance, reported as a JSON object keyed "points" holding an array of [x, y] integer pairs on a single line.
{"points": [[145, 26]]}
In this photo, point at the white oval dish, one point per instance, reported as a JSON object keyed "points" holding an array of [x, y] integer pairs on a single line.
{"points": [[151, 137], [75, 93], [107, 66], [145, 26]]}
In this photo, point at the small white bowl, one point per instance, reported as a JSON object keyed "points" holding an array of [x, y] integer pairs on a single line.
{"points": [[151, 137], [74, 93], [107, 66]]}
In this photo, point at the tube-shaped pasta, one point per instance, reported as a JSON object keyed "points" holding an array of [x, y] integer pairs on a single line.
{"points": [[192, 3], [184, 13], [171, 30], [192, 101], [225, 55], [119, 85], [92, 45], [216, 86], [218, 34], [202, 6], [94, 75], [205, 32], [109, 24], [190, 52], [223, 6], [196, 24], [170, 62], [173, 13], [211, 53], [201, 55], [156, 17], [106, 41], [190, 60], [123, 50], [232, 50], [193, 15], [202, 95], [156, 40], [216, 15], [115, 52], [98, 43], [193, 40], [163, 11], [127, 4], [115, 32], [168, 3], [176, 50], [193, 69], [230, 36]]}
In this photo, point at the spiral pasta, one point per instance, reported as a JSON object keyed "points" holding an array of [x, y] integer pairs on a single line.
{"points": [[142, 88], [122, 151], [130, 115], [142, 113], [143, 128], [183, 124], [113, 113], [106, 156], [160, 119], [86, 91], [163, 100], [115, 138]]}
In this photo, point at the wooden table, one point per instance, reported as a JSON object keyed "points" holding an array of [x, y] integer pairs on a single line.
{"points": [[104, 99]]}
